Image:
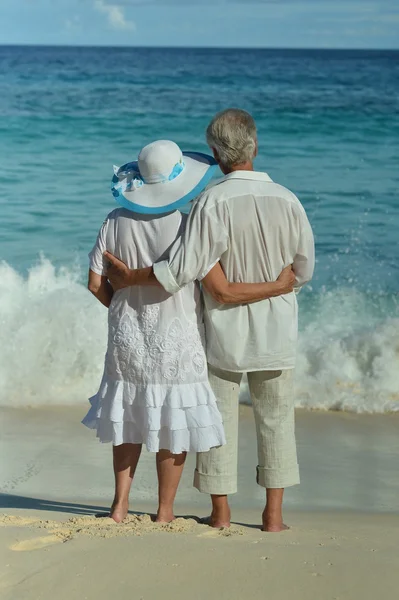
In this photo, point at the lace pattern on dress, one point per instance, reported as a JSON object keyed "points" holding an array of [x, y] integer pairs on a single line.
{"points": [[141, 352]]}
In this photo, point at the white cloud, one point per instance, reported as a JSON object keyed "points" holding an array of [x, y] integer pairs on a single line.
{"points": [[115, 14]]}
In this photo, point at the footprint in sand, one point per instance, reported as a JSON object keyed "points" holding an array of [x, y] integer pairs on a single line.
{"points": [[211, 533], [14, 521], [37, 543], [222, 532]]}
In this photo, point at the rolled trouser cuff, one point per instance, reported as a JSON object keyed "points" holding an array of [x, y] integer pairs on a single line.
{"points": [[214, 484], [277, 478]]}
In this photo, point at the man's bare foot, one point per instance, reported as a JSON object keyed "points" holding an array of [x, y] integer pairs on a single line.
{"points": [[221, 513], [218, 521], [274, 528], [273, 524], [118, 512]]}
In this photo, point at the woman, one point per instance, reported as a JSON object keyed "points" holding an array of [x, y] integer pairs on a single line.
{"points": [[155, 388]]}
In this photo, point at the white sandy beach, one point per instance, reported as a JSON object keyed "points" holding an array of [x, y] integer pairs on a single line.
{"points": [[55, 477]]}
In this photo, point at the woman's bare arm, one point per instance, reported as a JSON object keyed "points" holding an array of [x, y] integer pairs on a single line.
{"points": [[100, 287], [225, 292]]}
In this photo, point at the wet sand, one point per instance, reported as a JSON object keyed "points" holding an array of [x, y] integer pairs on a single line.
{"points": [[55, 477]]}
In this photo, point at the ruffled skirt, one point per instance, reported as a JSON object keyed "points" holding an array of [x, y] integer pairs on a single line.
{"points": [[178, 418]]}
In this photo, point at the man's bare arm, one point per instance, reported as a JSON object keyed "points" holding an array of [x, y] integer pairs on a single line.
{"points": [[215, 282], [100, 287], [225, 292], [120, 276]]}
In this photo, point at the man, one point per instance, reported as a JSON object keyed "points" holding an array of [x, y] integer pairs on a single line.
{"points": [[255, 228]]}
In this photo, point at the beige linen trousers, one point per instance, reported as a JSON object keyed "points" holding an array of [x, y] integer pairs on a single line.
{"points": [[273, 405]]}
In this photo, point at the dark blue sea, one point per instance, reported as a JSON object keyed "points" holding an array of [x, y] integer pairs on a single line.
{"points": [[328, 126]]}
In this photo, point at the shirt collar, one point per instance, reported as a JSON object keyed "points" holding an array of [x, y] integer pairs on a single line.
{"points": [[251, 175]]}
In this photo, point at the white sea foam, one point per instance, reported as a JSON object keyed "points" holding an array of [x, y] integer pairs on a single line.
{"points": [[348, 355], [52, 337], [53, 341]]}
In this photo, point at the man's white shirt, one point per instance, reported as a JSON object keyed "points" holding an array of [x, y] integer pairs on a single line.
{"points": [[255, 227]]}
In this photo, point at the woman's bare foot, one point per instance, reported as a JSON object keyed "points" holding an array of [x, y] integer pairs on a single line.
{"points": [[119, 512], [164, 517]]}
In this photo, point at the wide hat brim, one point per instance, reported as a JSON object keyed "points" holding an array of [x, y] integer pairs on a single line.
{"points": [[167, 196]]}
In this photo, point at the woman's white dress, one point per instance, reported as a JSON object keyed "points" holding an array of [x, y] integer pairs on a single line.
{"points": [[155, 388]]}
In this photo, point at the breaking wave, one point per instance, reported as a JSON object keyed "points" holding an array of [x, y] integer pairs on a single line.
{"points": [[53, 341]]}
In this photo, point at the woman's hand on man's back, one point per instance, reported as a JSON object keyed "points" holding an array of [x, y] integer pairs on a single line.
{"points": [[287, 280]]}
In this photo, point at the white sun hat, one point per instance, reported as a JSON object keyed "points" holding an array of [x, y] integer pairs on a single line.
{"points": [[163, 178]]}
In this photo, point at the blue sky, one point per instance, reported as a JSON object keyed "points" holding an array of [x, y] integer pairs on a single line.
{"points": [[261, 23]]}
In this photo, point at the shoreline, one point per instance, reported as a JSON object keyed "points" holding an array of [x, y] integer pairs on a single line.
{"points": [[344, 518], [348, 462]]}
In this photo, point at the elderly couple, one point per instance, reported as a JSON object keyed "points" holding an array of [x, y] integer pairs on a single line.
{"points": [[177, 351]]}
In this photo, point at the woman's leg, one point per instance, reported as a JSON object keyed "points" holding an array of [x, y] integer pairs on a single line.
{"points": [[170, 468], [126, 457]]}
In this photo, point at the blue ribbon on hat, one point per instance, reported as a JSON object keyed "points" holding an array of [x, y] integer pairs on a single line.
{"points": [[137, 182], [177, 169]]}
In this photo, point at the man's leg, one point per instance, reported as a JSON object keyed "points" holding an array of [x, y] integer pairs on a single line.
{"points": [[273, 403], [216, 471]]}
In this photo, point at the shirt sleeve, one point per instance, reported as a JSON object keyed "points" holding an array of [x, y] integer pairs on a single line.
{"points": [[304, 261], [202, 276], [97, 262], [203, 243]]}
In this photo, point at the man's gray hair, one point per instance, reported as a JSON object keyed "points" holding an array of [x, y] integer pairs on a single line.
{"points": [[232, 133]]}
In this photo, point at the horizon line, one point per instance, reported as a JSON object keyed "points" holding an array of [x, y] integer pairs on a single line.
{"points": [[141, 47]]}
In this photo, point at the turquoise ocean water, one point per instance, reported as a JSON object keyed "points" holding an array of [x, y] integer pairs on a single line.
{"points": [[328, 129]]}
